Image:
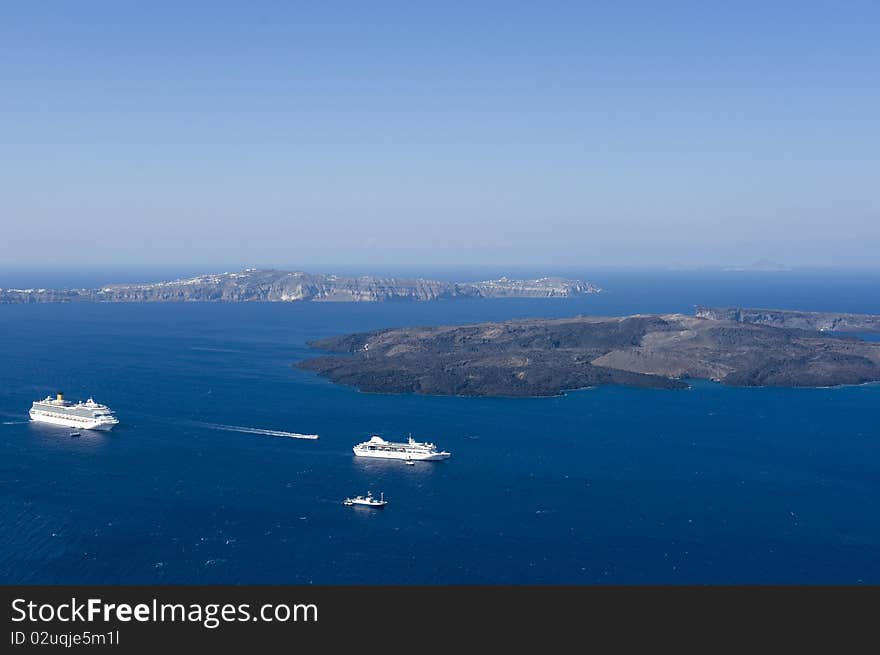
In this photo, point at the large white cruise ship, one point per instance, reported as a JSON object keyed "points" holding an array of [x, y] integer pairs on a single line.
{"points": [[87, 415], [411, 450]]}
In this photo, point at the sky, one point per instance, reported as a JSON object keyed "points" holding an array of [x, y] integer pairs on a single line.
{"points": [[381, 134]]}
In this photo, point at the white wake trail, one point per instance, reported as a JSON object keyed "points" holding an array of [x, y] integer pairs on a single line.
{"points": [[268, 433]]}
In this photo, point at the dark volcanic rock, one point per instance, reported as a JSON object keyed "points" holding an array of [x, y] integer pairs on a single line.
{"points": [[785, 318], [541, 357]]}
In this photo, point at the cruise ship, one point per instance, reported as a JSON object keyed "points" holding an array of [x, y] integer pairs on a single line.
{"points": [[411, 450], [87, 415]]}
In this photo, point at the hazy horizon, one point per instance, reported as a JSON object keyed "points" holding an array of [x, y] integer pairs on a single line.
{"points": [[607, 277], [402, 137]]}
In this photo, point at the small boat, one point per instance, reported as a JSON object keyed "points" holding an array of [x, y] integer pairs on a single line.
{"points": [[409, 461], [74, 434], [367, 500]]}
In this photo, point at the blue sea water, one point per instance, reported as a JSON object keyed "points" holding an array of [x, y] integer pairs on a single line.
{"points": [[609, 485]]}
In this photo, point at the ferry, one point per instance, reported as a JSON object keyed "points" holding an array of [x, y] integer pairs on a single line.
{"points": [[409, 450], [87, 415], [367, 500]]}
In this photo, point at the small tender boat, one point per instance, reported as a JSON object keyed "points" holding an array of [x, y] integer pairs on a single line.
{"points": [[74, 434], [367, 500], [409, 461]]}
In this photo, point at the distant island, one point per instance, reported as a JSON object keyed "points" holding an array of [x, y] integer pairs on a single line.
{"points": [[253, 285], [760, 266], [544, 357], [786, 318]]}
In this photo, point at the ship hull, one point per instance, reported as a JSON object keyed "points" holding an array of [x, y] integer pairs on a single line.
{"points": [[416, 457], [73, 422]]}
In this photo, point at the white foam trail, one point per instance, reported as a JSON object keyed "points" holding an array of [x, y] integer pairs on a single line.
{"points": [[268, 433], [14, 422]]}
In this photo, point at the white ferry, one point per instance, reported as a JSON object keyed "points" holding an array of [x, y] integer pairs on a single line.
{"points": [[411, 450], [87, 415], [367, 500]]}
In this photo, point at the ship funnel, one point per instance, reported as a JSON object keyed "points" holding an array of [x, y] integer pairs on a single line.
{"points": [[60, 396]]}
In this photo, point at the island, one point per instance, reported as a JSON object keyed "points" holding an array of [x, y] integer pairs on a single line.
{"points": [[254, 285], [787, 318], [546, 357]]}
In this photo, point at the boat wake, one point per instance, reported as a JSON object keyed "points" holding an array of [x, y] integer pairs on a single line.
{"points": [[261, 431], [14, 422]]}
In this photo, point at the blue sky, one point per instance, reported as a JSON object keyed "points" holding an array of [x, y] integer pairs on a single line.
{"points": [[317, 135]]}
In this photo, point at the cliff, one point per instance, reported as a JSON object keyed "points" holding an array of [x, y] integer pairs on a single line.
{"points": [[287, 286]]}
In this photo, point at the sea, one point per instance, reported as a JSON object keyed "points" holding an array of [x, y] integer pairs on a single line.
{"points": [[710, 485]]}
